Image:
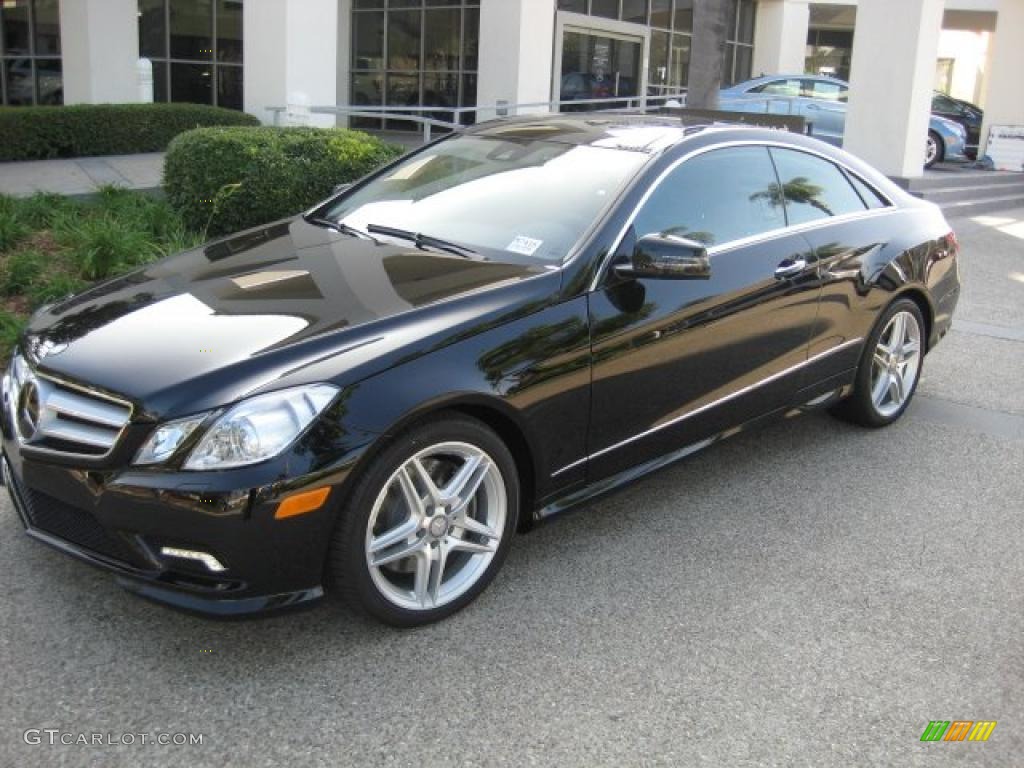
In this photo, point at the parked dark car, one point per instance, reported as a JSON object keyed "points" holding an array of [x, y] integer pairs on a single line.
{"points": [[375, 396], [966, 114]]}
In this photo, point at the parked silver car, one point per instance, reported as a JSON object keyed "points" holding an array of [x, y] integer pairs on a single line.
{"points": [[821, 101]]}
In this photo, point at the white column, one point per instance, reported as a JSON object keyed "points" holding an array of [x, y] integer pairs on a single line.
{"points": [[100, 45], [891, 80], [516, 53], [291, 55], [1004, 100], [780, 37]]}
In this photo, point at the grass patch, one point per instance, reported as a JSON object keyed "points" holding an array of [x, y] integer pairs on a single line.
{"points": [[52, 246]]}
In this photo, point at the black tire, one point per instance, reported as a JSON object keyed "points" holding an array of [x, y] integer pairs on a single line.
{"points": [[349, 572], [940, 150], [859, 407]]}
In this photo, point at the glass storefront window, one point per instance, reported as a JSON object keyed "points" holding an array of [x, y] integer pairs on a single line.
{"points": [[15, 17], [196, 48], [441, 39], [47, 27], [229, 31], [671, 23], [191, 29], [409, 53], [31, 70]]}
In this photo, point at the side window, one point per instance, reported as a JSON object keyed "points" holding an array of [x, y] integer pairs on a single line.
{"points": [[867, 193], [778, 88], [813, 188], [824, 90], [723, 195]]}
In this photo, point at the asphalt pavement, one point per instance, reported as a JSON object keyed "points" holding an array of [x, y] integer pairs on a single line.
{"points": [[812, 594]]}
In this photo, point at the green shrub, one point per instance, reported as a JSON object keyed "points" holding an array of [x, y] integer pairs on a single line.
{"points": [[225, 179], [39, 211], [10, 329], [12, 229], [36, 133], [101, 246], [53, 286], [20, 271]]}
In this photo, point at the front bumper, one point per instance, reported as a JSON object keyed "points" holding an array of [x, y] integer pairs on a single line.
{"points": [[121, 520]]}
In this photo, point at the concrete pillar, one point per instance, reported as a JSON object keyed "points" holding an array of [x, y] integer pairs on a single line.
{"points": [[100, 45], [711, 19], [516, 53], [1004, 100], [892, 76], [780, 37], [292, 50]]}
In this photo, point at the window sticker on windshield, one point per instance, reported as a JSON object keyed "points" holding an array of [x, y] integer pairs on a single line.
{"points": [[524, 245]]}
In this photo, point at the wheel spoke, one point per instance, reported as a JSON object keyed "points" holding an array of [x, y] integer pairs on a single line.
{"points": [[911, 349], [896, 389], [463, 545], [463, 487], [410, 494], [428, 482], [396, 535], [880, 358], [881, 387], [430, 574], [395, 553], [472, 525], [899, 330]]}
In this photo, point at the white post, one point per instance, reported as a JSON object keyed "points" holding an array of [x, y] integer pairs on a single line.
{"points": [[1004, 99], [780, 37], [516, 53], [891, 81], [100, 48], [291, 47], [144, 73]]}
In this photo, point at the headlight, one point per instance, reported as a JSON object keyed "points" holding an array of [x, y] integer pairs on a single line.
{"points": [[260, 428], [165, 440]]}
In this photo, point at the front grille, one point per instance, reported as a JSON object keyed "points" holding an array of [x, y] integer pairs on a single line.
{"points": [[73, 524], [54, 415]]}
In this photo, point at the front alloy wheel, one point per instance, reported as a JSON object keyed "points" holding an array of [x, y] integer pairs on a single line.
{"points": [[428, 524]]}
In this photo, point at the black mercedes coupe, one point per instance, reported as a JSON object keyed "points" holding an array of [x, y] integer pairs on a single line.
{"points": [[373, 397]]}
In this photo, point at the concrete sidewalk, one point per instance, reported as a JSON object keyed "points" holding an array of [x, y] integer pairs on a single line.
{"points": [[82, 175]]}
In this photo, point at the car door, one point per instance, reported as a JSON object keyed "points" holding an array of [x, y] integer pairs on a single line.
{"points": [[678, 361], [824, 107]]}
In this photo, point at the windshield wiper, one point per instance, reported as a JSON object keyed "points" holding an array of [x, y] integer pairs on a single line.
{"points": [[338, 226], [423, 241]]}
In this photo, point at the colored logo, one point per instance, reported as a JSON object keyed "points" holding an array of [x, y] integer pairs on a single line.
{"points": [[958, 730]]}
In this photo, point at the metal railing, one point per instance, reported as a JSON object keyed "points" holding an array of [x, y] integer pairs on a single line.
{"points": [[418, 114]]}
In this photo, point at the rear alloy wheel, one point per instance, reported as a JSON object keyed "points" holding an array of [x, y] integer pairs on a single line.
{"points": [[429, 524], [890, 368], [934, 149]]}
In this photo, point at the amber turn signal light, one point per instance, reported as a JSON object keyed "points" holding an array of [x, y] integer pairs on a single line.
{"points": [[301, 503]]}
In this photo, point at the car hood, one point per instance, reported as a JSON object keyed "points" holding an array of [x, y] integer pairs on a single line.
{"points": [[252, 311]]}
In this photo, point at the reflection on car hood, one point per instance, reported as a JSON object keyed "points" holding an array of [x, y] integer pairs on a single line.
{"points": [[247, 310]]}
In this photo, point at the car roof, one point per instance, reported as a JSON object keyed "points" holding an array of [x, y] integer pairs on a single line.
{"points": [[650, 134], [769, 78]]}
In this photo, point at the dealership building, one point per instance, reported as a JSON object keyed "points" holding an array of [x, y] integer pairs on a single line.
{"points": [[259, 54]]}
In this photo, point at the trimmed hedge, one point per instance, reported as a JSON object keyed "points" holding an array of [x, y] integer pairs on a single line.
{"points": [[81, 130], [221, 180]]}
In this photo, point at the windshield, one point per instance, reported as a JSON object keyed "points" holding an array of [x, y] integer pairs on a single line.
{"points": [[529, 198]]}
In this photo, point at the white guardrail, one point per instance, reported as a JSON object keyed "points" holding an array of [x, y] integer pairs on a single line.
{"points": [[418, 114]]}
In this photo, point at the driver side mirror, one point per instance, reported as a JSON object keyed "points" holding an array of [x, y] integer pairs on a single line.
{"points": [[666, 257]]}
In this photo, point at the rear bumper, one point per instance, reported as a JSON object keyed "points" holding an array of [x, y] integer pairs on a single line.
{"points": [[121, 527]]}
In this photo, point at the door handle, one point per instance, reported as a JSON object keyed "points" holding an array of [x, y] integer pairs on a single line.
{"points": [[790, 267], [813, 106]]}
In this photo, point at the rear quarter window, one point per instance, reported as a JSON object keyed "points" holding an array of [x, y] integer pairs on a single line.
{"points": [[813, 188]]}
